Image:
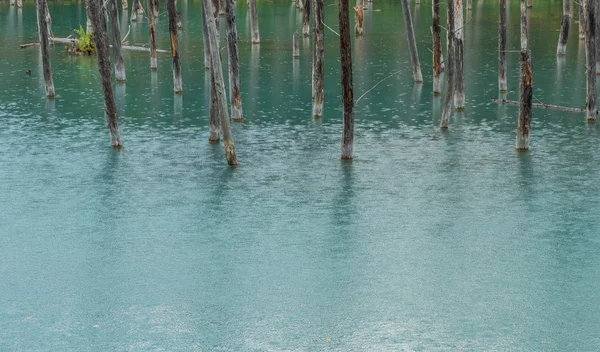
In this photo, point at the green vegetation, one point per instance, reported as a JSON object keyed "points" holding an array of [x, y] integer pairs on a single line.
{"points": [[84, 42]]}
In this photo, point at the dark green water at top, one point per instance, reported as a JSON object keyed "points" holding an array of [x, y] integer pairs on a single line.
{"points": [[427, 241]]}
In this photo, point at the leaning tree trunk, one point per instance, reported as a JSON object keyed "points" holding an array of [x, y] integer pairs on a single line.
{"points": [[220, 87], [448, 96], [205, 40], [214, 123], [102, 51], [459, 61], [254, 22], [234, 63], [116, 34], [318, 69], [306, 19], [525, 86], [151, 15], [502, 86], [346, 71], [45, 47], [172, 14], [581, 20], [561, 48], [437, 47], [590, 58], [414, 55], [216, 5]]}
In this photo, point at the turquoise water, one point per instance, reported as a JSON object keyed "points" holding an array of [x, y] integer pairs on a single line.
{"points": [[426, 241]]}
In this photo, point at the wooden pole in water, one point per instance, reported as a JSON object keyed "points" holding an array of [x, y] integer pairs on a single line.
{"points": [[590, 58], [214, 123], [205, 40], [155, 5], [100, 36], [172, 14], [448, 96], [234, 63], [410, 33], [20, 3], [358, 20], [561, 48], [151, 15], [469, 4], [254, 22], [220, 88], [459, 60], [581, 20], [88, 21], [346, 71], [124, 4], [116, 36], [525, 86], [296, 49], [216, 5], [318, 65], [45, 47], [502, 86], [306, 19], [597, 44], [437, 47], [134, 7], [12, 2]]}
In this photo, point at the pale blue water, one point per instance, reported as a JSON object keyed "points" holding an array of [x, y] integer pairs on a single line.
{"points": [[427, 241]]}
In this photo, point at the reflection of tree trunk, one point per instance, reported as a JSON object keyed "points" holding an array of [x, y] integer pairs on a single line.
{"points": [[318, 69], [172, 14], [45, 47], [525, 86], [447, 109], [254, 22], [116, 35], [502, 86], [437, 47], [459, 60], [410, 33], [561, 48], [295, 48], [346, 71], [234, 64], [590, 57]]}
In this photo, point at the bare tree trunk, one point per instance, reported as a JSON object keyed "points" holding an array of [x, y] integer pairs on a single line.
{"points": [[155, 5], [561, 48], [216, 4], [469, 4], [12, 2], [597, 14], [414, 55], [45, 47], [214, 123], [234, 63], [448, 96], [306, 19], [358, 20], [295, 48], [124, 4], [525, 86], [529, 4], [581, 20], [220, 88], [222, 5], [205, 40], [102, 51], [88, 21], [151, 15], [116, 36], [459, 79], [502, 86], [172, 14], [300, 4], [437, 47], [134, 7], [346, 71], [318, 67], [590, 58], [254, 22], [20, 3]]}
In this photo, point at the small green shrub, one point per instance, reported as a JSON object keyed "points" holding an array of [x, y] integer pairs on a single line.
{"points": [[84, 41]]}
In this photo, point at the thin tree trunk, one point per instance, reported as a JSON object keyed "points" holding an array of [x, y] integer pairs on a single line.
{"points": [[590, 56], [134, 7], [358, 20], [346, 71], [254, 22], [172, 14], [88, 21], [437, 47], [45, 47], [318, 69], [525, 86], [306, 19], [234, 64], [414, 55], [581, 20], [20, 3], [295, 48], [124, 4], [597, 44], [216, 4], [214, 123], [151, 15], [100, 36], [529, 4], [502, 86], [459, 60], [116, 36], [205, 40], [469, 4], [220, 88], [300, 4], [155, 5], [561, 48], [448, 96], [12, 2]]}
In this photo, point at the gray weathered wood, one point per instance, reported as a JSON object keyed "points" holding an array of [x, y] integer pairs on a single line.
{"points": [[45, 47], [581, 20], [529, 4], [524, 27], [155, 6], [172, 14], [469, 4], [134, 12], [449, 94], [459, 58], [124, 4], [597, 44], [502, 85], [437, 47], [295, 47], [346, 72], [152, 27], [116, 41], [561, 48], [20, 3], [318, 64], [590, 58], [88, 21], [254, 22], [216, 9], [412, 45], [306, 18], [525, 86], [234, 63], [205, 40]]}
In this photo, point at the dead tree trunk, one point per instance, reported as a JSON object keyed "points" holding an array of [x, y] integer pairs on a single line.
{"points": [[151, 15], [254, 22], [437, 47], [124, 4], [561, 48], [346, 71], [155, 5], [102, 51], [590, 58], [318, 69], [205, 40], [502, 86], [88, 21], [116, 35], [12, 2], [469, 4], [295, 48], [234, 63], [358, 20], [220, 87], [20, 3], [134, 7], [222, 6], [597, 44], [529, 4], [525, 86], [216, 5], [306, 19], [448, 96], [45, 47], [581, 20], [459, 60], [172, 14], [414, 55]]}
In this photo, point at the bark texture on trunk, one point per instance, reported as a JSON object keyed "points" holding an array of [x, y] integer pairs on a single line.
{"points": [[219, 84], [410, 33], [172, 14], [437, 47], [45, 47], [459, 59], [525, 86], [561, 48], [102, 52], [151, 15], [295, 48], [581, 20], [116, 41], [449, 94], [88, 21], [234, 63], [306, 18], [216, 6], [502, 86], [205, 40], [318, 67], [254, 22], [346, 71], [590, 58], [597, 44]]}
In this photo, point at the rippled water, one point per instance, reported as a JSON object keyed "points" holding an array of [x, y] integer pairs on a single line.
{"points": [[427, 241]]}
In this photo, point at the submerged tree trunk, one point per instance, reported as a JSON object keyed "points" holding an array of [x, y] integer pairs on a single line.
{"points": [[172, 14], [525, 86], [347, 89], [124, 4], [216, 5], [151, 15], [205, 40], [155, 5], [590, 58], [102, 52], [318, 69], [437, 47], [134, 7], [45, 47], [220, 88], [502, 86], [358, 20], [234, 63], [254, 22], [597, 44], [306, 18], [581, 20], [116, 35], [459, 60], [20, 3], [414, 55], [561, 48], [448, 96], [295, 48]]}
